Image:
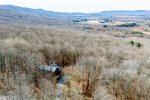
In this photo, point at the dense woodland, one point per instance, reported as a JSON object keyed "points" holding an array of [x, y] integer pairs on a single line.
{"points": [[104, 67]]}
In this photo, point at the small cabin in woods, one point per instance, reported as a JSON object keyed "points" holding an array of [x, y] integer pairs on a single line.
{"points": [[54, 70]]}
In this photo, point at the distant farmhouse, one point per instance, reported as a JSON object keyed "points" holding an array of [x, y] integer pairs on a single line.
{"points": [[102, 21], [105, 20]]}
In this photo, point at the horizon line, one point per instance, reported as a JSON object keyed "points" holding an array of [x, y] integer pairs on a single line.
{"points": [[72, 11]]}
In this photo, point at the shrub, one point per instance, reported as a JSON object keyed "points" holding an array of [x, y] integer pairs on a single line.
{"points": [[84, 20], [137, 32], [87, 28], [132, 43], [128, 25], [139, 45], [105, 25], [75, 20]]}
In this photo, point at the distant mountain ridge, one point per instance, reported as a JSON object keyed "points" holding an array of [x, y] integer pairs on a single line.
{"points": [[22, 15], [25, 10], [126, 13], [42, 12], [10, 14]]}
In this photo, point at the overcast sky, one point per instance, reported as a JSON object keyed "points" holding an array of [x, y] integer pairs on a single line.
{"points": [[81, 5]]}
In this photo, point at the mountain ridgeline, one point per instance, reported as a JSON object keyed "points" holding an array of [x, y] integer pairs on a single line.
{"points": [[15, 14]]}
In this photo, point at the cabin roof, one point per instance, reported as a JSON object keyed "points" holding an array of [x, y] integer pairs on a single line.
{"points": [[51, 68]]}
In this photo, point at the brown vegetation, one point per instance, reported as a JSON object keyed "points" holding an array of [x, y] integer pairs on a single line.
{"points": [[108, 67]]}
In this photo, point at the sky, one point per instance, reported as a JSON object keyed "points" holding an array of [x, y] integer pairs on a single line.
{"points": [[86, 6]]}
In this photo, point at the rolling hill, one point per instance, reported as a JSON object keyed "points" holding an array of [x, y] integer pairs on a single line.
{"points": [[15, 14]]}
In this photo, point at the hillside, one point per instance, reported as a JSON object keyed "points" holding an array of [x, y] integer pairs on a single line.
{"points": [[13, 14], [24, 10], [124, 13]]}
